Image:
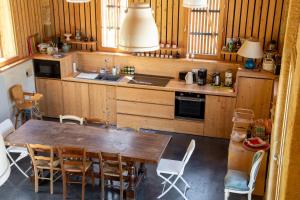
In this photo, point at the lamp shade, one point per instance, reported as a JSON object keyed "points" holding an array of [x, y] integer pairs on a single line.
{"points": [[4, 163], [138, 32], [251, 49], [195, 3]]}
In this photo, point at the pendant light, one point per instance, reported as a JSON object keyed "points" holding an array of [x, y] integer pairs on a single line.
{"points": [[138, 32], [195, 4], [78, 1]]}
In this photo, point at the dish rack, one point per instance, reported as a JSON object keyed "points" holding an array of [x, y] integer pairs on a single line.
{"points": [[242, 122]]}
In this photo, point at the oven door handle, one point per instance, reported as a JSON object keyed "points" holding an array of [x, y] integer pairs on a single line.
{"points": [[190, 99]]}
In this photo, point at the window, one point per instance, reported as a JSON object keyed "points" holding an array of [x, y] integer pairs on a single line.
{"points": [[203, 35], [113, 12], [7, 41]]}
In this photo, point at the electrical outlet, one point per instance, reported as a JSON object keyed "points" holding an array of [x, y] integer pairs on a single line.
{"points": [[29, 72]]}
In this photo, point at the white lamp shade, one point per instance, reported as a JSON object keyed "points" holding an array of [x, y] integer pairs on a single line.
{"points": [[78, 1], [195, 3], [138, 32], [4, 163], [251, 49]]}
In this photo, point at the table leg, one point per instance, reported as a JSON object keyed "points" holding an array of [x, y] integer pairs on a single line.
{"points": [[130, 193], [142, 170]]}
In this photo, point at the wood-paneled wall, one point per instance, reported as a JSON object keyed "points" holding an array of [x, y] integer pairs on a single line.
{"points": [[242, 18], [27, 20], [261, 19]]}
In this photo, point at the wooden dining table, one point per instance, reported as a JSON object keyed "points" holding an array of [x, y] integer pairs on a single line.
{"points": [[134, 147]]}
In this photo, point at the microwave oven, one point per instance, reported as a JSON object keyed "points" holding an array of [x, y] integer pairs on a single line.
{"points": [[47, 68]]}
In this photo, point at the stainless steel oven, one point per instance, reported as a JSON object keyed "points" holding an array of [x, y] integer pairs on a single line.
{"points": [[46, 68], [189, 105]]}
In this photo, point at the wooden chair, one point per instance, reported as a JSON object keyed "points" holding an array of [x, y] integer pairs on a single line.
{"points": [[42, 157], [112, 168], [74, 162], [22, 103], [70, 119]]}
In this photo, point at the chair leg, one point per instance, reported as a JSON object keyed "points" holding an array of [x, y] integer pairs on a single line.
{"points": [[36, 180], [102, 186], [83, 187], [51, 181], [16, 122], [249, 196], [15, 164], [64, 186], [226, 195], [121, 188]]}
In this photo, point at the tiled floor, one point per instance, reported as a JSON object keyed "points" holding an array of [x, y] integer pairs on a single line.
{"points": [[205, 173]]}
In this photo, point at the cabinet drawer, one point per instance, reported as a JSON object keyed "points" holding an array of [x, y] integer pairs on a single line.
{"points": [[146, 96], [173, 125], [145, 109]]}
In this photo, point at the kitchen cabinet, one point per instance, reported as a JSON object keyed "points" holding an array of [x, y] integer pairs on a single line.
{"points": [[256, 94], [218, 116], [103, 103], [52, 102], [76, 99]]}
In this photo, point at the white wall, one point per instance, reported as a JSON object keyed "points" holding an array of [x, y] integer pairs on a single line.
{"points": [[10, 77]]}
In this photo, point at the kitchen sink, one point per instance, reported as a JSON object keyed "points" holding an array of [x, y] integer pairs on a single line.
{"points": [[107, 77]]}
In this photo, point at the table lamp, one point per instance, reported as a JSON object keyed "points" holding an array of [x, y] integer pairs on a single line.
{"points": [[251, 49]]}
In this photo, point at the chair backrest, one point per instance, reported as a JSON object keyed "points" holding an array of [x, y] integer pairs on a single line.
{"points": [[17, 93], [188, 154], [6, 128], [41, 153], [113, 160], [72, 158], [4, 163], [71, 119], [256, 161]]}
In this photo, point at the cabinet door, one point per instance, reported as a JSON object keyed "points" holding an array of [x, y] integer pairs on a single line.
{"points": [[255, 94], [52, 102], [76, 99], [103, 102], [218, 116]]}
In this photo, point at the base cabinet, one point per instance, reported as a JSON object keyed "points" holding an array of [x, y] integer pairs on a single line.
{"points": [[103, 103], [76, 99], [52, 102], [218, 116]]}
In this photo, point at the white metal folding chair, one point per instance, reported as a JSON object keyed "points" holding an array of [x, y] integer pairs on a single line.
{"points": [[6, 128], [174, 168], [239, 182], [71, 119]]}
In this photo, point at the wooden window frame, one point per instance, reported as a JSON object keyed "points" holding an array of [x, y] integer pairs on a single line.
{"points": [[221, 27]]}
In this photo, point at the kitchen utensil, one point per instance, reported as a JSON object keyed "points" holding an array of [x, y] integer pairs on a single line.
{"points": [[78, 35], [202, 76], [189, 78], [228, 78], [216, 79], [268, 64]]}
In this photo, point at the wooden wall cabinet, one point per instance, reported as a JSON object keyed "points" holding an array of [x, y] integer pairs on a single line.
{"points": [[76, 99], [218, 116], [52, 102], [256, 94]]}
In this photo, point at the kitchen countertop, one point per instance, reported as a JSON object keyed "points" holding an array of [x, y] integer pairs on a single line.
{"points": [[173, 85]]}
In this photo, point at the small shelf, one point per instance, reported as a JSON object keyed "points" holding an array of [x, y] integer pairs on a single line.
{"points": [[228, 53], [170, 49], [82, 42]]}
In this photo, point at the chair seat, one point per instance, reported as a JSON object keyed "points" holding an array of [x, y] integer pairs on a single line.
{"points": [[236, 180], [25, 105], [15, 149], [46, 163], [111, 168], [75, 168], [169, 166]]}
